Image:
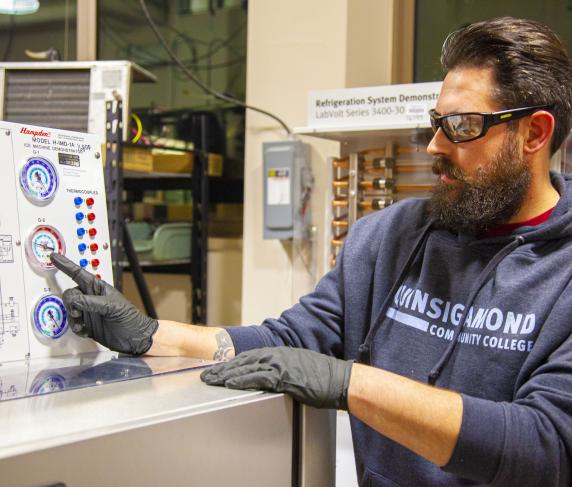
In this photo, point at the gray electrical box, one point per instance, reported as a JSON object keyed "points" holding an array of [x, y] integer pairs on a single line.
{"points": [[288, 185]]}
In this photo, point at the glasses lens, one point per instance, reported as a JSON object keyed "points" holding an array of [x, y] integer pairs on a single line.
{"points": [[464, 126]]}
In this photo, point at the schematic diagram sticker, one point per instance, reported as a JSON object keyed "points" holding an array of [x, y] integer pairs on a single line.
{"points": [[42, 241], [6, 250], [39, 180], [49, 317], [9, 318]]}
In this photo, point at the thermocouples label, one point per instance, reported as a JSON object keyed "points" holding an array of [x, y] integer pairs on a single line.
{"points": [[392, 105]]}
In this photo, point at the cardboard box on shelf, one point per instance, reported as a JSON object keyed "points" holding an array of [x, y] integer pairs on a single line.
{"points": [[179, 212], [142, 159]]}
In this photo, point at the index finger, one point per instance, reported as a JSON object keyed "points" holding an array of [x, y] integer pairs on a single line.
{"points": [[80, 276]]}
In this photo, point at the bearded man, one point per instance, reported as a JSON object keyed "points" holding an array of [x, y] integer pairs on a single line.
{"points": [[445, 327]]}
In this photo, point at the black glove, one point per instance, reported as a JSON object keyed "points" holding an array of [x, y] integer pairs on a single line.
{"points": [[99, 311], [310, 377]]}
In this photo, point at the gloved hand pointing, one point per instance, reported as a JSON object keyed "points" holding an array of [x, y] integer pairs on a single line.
{"points": [[310, 377], [99, 311]]}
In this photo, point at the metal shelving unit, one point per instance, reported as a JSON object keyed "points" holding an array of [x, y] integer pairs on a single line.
{"points": [[204, 188]]}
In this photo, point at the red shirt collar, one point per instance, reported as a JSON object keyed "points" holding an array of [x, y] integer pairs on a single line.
{"points": [[507, 228]]}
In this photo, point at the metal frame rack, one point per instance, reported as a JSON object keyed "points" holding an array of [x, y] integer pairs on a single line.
{"points": [[204, 188]]}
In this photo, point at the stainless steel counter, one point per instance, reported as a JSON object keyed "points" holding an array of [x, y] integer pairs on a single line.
{"points": [[163, 430]]}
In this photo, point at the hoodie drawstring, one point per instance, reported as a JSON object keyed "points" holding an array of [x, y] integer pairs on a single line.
{"points": [[481, 281], [365, 348]]}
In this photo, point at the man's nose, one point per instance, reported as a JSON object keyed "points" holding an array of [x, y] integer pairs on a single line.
{"points": [[439, 144]]}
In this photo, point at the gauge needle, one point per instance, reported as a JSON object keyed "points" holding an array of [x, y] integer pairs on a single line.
{"points": [[44, 246], [39, 179], [50, 314]]}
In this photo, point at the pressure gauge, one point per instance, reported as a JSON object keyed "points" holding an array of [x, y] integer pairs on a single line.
{"points": [[42, 241], [50, 317], [39, 180]]}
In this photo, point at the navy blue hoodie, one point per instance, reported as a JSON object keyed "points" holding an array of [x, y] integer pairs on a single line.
{"points": [[489, 318]]}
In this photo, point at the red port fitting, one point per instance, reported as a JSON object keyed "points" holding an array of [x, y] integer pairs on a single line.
{"points": [[89, 201], [92, 232], [93, 247], [95, 263], [91, 217], [98, 276]]}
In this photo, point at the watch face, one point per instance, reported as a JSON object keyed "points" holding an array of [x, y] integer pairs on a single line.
{"points": [[50, 317], [39, 180], [42, 241]]}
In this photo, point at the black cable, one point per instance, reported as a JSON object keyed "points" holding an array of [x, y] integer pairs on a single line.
{"points": [[196, 80]]}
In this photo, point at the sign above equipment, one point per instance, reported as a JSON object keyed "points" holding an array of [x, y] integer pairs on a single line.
{"points": [[392, 106]]}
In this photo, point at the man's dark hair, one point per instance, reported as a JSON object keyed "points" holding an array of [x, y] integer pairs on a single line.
{"points": [[530, 64]]}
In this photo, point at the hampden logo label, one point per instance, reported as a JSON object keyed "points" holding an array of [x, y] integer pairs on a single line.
{"points": [[35, 133]]}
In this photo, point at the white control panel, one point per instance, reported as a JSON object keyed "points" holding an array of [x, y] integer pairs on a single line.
{"points": [[52, 199]]}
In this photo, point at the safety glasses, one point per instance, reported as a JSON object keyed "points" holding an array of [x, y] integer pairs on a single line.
{"points": [[463, 127]]}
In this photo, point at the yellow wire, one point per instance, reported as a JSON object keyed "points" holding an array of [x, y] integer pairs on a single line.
{"points": [[139, 128]]}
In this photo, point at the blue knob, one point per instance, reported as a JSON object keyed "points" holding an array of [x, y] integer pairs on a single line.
{"points": [[81, 247], [83, 262], [78, 200], [79, 216], [80, 232]]}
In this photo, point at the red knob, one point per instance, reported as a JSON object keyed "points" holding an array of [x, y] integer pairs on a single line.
{"points": [[94, 262], [91, 217], [93, 247], [92, 232], [89, 201], [98, 276]]}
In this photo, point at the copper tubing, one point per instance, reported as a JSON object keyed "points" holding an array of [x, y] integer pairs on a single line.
{"points": [[338, 241], [374, 204], [340, 223], [377, 184], [341, 183], [411, 149], [342, 163], [368, 169], [414, 167], [340, 203], [367, 184]]}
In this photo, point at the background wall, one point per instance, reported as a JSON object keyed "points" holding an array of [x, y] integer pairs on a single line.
{"points": [[293, 47], [436, 18]]}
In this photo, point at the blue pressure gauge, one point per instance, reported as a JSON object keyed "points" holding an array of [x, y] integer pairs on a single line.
{"points": [[39, 180], [50, 317]]}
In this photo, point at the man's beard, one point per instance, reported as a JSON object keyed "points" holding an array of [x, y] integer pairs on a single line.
{"points": [[474, 204]]}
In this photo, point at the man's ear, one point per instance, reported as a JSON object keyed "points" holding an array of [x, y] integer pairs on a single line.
{"points": [[540, 130]]}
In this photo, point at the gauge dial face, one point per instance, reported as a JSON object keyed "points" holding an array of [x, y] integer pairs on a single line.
{"points": [[39, 180], [50, 317], [44, 240]]}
